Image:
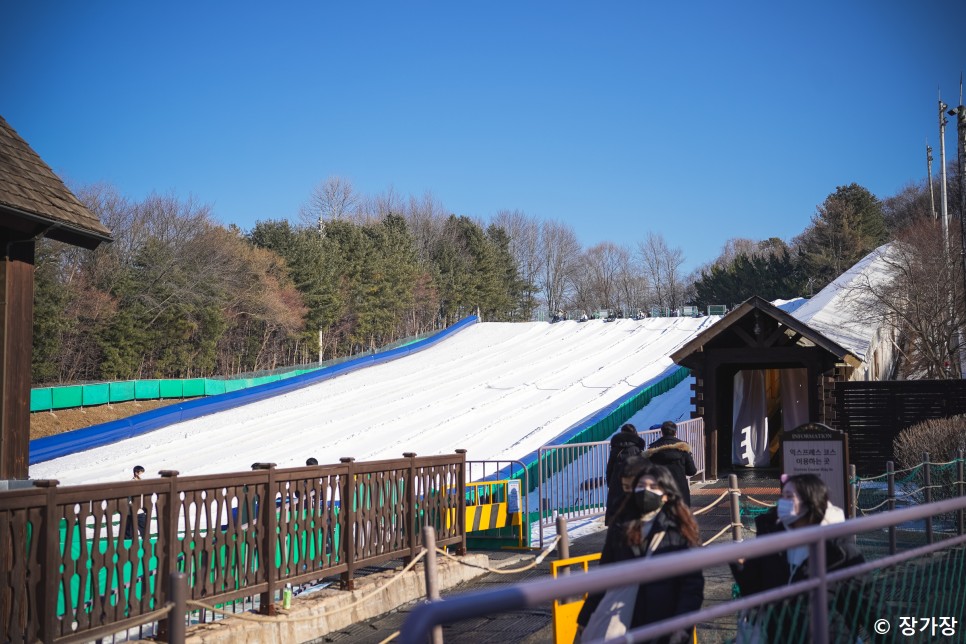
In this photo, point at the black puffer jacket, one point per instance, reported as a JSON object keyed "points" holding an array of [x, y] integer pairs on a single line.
{"points": [[674, 454], [622, 445], [656, 600]]}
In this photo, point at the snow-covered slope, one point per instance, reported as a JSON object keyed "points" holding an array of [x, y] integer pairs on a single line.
{"points": [[497, 390]]}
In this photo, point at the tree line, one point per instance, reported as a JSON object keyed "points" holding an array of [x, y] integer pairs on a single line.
{"points": [[178, 295]]}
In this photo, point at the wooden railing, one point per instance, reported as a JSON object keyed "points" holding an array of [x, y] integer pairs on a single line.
{"points": [[82, 562]]}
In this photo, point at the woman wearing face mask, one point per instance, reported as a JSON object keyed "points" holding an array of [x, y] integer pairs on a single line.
{"points": [[663, 523], [804, 502]]}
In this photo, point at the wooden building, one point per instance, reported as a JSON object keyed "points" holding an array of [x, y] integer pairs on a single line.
{"points": [[762, 369], [34, 203]]}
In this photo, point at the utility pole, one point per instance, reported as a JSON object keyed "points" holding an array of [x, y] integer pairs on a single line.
{"points": [[960, 113], [942, 161], [932, 193]]}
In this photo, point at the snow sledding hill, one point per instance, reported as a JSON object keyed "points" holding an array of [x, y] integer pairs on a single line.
{"points": [[498, 390]]}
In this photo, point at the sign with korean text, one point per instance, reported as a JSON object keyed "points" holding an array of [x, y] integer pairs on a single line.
{"points": [[814, 448]]}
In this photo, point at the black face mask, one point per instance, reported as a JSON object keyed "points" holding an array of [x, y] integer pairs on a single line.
{"points": [[647, 500]]}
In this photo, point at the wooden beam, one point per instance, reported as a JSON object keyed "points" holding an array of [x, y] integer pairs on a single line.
{"points": [[16, 345]]}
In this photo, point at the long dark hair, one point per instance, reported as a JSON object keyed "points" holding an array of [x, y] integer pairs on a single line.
{"points": [[813, 494], [674, 507]]}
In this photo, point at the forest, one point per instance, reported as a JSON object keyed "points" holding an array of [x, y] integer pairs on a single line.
{"points": [[179, 295]]}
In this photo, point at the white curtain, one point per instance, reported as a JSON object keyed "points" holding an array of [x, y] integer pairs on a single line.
{"points": [[794, 398], [749, 445]]}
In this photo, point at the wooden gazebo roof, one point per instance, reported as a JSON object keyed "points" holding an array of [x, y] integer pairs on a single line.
{"points": [[35, 202], [789, 331]]}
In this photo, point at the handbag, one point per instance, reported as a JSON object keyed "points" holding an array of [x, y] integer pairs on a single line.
{"points": [[612, 618]]}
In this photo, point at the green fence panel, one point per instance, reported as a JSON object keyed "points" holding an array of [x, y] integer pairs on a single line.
{"points": [[41, 399], [97, 394], [147, 389], [122, 391], [193, 387], [235, 385], [214, 387], [171, 388], [66, 397]]}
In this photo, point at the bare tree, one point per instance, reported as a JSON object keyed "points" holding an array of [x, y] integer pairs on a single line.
{"points": [[560, 252], [920, 293], [426, 219], [632, 285], [602, 265], [662, 266], [332, 199], [524, 233]]}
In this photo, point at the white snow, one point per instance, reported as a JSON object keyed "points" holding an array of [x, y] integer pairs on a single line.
{"points": [[498, 390]]}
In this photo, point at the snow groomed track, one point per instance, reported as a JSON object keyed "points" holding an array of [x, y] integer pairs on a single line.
{"points": [[498, 390]]}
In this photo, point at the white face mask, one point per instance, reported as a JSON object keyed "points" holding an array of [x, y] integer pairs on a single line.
{"points": [[786, 512]]}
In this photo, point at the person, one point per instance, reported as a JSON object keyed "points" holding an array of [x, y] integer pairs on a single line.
{"points": [[623, 445], [662, 524], [623, 509], [674, 454], [311, 461], [142, 517], [804, 502]]}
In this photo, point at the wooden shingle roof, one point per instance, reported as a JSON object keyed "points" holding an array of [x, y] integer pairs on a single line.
{"points": [[34, 201], [813, 336]]}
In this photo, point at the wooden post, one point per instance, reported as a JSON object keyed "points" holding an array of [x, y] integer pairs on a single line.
{"points": [[736, 533], [432, 577], [16, 347], [413, 521], [50, 572], [461, 508], [268, 517], [169, 528], [348, 541], [891, 487]]}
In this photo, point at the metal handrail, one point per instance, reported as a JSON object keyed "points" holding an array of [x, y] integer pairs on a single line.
{"points": [[532, 594]]}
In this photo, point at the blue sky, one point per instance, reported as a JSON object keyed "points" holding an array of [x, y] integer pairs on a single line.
{"points": [[700, 121]]}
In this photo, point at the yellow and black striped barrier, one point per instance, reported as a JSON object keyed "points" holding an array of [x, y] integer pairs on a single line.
{"points": [[490, 505]]}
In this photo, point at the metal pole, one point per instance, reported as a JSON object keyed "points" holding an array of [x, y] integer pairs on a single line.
{"points": [[927, 484], [179, 596], [961, 486], [942, 160], [854, 489], [932, 194], [736, 534], [819, 601], [563, 546], [891, 484], [432, 577], [539, 473]]}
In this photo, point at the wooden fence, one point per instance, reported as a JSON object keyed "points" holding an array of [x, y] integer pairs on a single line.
{"points": [[873, 414], [81, 562]]}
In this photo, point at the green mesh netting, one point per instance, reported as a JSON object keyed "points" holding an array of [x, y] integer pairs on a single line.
{"points": [[922, 600]]}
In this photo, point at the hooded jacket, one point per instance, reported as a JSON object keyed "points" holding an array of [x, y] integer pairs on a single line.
{"points": [[674, 454]]}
